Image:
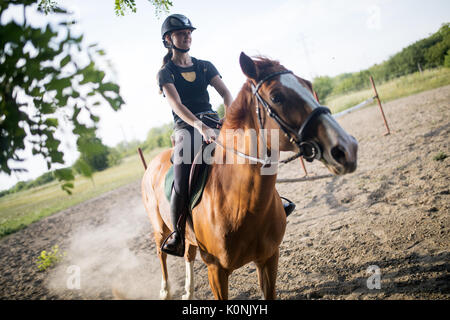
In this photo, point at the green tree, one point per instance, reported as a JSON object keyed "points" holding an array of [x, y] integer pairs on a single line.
{"points": [[93, 152], [42, 179], [114, 157], [447, 60], [83, 168], [435, 54], [120, 6], [159, 137], [430, 52], [323, 86], [221, 110], [42, 82]]}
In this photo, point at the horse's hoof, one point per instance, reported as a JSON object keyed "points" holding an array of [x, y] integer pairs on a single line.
{"points": [[187, 296], [164, 295]]}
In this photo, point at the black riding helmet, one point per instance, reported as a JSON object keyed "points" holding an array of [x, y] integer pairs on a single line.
{"points": [[172, 23]]}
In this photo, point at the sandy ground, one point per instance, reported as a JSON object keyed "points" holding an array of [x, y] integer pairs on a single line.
{"points": [[389, 221]]}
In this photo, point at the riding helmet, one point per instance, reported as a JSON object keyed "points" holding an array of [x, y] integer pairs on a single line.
{"points": [[175, 22]]}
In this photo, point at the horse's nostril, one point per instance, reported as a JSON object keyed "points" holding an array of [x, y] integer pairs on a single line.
{"points": [[338, 154]]}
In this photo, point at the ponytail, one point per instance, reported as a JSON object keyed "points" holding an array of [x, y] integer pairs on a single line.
{"points": [[166, 59]]}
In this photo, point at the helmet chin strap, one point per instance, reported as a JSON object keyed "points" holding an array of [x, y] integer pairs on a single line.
{"points": [[181, 50], [176, 48]]}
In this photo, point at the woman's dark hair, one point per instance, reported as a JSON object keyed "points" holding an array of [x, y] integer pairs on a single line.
{"points": [[167, 57]]}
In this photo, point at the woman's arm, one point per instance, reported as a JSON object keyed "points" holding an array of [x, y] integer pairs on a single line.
{"points": [[222, 89], [184, 113]]}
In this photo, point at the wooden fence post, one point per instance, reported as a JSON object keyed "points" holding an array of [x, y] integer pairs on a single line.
{"points": [[379, 105], [142, 158]]}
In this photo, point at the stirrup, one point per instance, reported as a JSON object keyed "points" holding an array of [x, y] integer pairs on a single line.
{"points": [[178, 253]]}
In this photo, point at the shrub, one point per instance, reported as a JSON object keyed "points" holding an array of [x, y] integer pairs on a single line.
{"points": [[447, 60], [49, 259], [440, 156], [323, 86], [114, 157]]}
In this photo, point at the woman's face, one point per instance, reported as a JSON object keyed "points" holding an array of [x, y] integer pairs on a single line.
{"points": [[181, 38]]}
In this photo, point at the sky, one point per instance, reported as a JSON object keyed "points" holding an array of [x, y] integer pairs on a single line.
{"points": [[310, 37]]}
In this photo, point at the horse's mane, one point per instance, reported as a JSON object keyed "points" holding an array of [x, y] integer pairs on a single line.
{"points": [[242, 106]]}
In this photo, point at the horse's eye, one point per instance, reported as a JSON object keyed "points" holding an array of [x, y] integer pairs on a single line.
{"points": [[277, 98]]}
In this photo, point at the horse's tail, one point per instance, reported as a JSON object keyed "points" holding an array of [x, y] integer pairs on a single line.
{"points": [[142, 158]]}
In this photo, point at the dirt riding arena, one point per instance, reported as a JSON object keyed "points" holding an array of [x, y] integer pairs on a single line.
{"points": [[390, 216]]}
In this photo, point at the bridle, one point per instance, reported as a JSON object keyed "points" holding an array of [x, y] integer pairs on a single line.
{"points": [[308, 148]]}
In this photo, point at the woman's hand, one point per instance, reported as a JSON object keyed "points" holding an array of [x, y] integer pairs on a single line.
{"points": [[209, 135]]}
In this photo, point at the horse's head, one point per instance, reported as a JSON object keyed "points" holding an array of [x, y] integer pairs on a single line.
{"points": [[287, 103]]}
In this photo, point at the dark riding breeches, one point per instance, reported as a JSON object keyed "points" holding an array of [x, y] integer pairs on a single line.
{"points": [[188, 142]]}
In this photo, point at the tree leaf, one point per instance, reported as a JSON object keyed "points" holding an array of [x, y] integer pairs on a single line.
{"points": [[65, 174], [65, 61], [109, 86], [51, 122]]}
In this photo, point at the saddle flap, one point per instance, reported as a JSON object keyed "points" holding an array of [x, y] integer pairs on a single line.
{"points": [[198, 177]]}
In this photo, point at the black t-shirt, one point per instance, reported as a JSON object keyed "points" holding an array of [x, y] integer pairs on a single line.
{"points": [[191, 84]]}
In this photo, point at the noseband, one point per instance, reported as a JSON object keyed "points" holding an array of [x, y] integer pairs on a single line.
{"points": [[308, 148]]}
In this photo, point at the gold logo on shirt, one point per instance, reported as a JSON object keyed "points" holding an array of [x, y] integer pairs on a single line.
{"points": [[189, 76]]}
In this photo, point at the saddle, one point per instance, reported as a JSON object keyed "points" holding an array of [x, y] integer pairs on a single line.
{"points": [[197, 178], [199, 169]]}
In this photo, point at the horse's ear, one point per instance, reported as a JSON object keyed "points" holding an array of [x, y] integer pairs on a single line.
{"points": [[248, 66]]}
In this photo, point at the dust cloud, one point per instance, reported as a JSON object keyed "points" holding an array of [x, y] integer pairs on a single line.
{"points": [[108, 260]]}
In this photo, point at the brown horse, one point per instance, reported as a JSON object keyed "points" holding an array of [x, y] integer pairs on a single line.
{"points": [[240, 217]]}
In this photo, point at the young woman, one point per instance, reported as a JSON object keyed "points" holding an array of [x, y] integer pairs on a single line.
{"points": [[184, 81]]}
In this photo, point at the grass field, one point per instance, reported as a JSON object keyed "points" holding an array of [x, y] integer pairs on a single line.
{"points": [[18, 210], [21, 209], [397, 88]]}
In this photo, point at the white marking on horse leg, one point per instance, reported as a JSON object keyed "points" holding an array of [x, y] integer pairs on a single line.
{"points": [[189, 284], [164, 293]]}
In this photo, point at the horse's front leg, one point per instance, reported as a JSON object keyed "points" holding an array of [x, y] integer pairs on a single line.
{"points": [[189, 282], [218, 280], [267, 275]]}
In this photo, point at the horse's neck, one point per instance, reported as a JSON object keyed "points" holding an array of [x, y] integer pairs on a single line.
{"points": [[247, 189], [246, 175]]}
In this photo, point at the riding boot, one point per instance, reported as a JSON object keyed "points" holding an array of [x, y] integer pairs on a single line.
{"points": [[175, 242], [289, 206]]}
